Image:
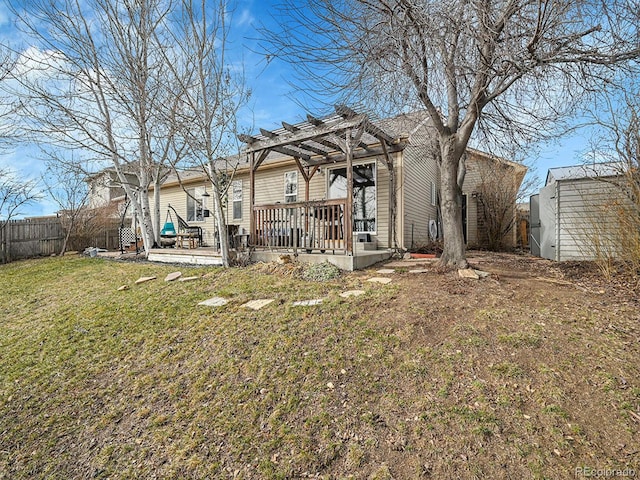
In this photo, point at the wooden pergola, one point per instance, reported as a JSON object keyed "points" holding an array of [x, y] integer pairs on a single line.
{"points": [[343, 137]]}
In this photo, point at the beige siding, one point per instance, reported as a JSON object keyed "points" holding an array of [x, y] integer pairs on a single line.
{"points": [[419, 170], [479, 168], [472, 179], [242, 223], [176, 197]]}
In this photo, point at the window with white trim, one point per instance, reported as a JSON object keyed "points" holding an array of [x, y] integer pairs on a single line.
{"points": [[236, 196], [195, 204], [290, 187]]}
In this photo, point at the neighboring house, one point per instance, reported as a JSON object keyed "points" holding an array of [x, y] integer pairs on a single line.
{"points": [[297, 188], [575, 215], [105, 190], [490, 191]]}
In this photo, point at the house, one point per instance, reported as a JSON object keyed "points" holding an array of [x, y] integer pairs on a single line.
{"points": [[105, 188], [340, 188], [489, 195], [576, 214]]}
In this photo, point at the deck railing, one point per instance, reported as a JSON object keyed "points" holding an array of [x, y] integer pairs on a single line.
{"points": [[310, 226]]}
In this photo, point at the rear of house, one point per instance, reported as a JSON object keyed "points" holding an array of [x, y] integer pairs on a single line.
{"points": [[302, 206]]}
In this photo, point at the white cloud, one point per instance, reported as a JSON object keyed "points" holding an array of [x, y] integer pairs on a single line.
{"points": [[245, 18]]}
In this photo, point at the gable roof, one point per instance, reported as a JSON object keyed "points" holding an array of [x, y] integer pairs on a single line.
{"points": [[578, 172]]}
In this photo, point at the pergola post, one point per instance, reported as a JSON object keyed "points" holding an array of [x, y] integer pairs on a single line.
{"points": [[349, 201], [252, 199]]}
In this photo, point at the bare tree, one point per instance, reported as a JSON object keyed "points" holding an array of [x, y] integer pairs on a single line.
{"points": [[15, 194], [97, 81], [495, 69], [616, 143], [67, 186], [497, 194], [8, 128], [211, 94]]}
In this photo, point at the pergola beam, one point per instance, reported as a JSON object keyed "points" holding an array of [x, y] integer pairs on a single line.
{"points": [[341, 157], [346, 112]]}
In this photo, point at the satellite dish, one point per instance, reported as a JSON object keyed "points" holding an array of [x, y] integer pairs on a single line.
{"points": [[433, 230]]}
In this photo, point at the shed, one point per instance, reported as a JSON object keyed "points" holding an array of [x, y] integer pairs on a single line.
{"points": [[572, 217]]}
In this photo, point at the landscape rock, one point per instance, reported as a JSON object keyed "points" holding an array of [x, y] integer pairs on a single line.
{"points": [[386, 271], [352, 293], [308, 303], [258, 304], [172, 276], [382, 280], [187, 279], [214, 302], [419, 270], [145, 279], [123, 287], [468, 273]]}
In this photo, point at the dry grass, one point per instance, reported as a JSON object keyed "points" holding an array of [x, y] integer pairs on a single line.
{"points": [[431, 376]]}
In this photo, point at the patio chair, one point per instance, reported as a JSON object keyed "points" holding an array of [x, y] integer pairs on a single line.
{"points": [[184, 230]]}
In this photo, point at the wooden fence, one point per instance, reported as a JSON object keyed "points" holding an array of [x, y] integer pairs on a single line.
{"points": [[35, 237]]}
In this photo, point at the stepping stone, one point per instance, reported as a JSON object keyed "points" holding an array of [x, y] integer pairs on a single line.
{"points": [[214, 302], [123, 287], [145, 279], [308, 303], [419, 270], [258, 304], [352, 293], [382, 280], [386, 271], [172, 276], [187, 279], [468, 273]]}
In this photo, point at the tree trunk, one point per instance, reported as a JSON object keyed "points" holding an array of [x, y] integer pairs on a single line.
{"points": [[156, 211], [451, 178], [221, 224], [66, 240], [145, 221]]}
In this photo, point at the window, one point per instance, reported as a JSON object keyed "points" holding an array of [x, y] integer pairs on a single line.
{"points": [[195, 204], [236, 196], [364, 194], [290, 187], [434, 194]]}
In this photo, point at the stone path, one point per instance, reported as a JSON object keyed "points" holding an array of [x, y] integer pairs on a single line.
{"points": [[215, 302], [258, 304], [145, 279], [308, 303], [261, 303], [386, 271], [382, 280], [172, 276]]}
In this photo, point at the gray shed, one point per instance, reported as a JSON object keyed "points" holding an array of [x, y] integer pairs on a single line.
{"points": [[571, 217]]}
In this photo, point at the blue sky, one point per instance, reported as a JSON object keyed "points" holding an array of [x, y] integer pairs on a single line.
{"points": [[271, 101]]}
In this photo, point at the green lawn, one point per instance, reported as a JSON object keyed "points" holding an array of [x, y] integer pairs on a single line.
{"points": [[397, 383]]}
